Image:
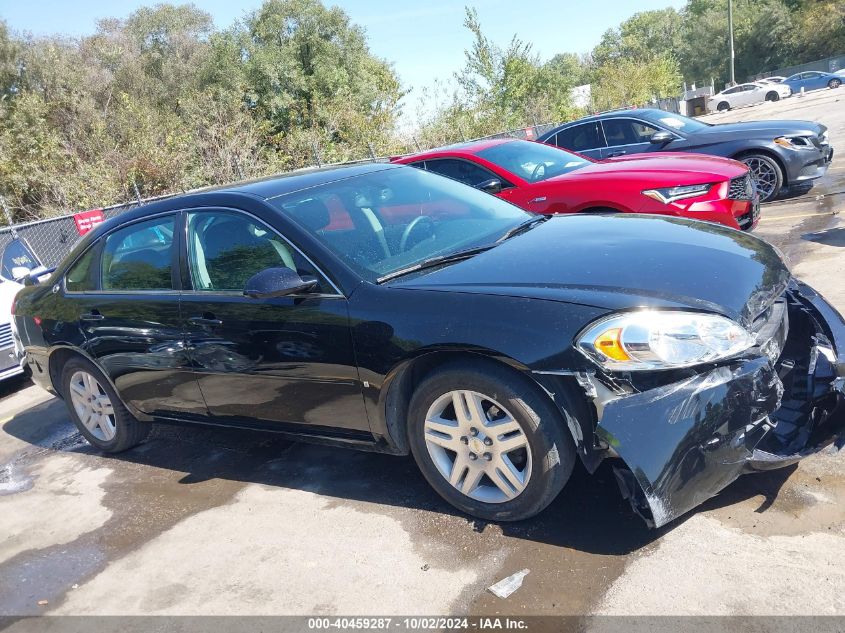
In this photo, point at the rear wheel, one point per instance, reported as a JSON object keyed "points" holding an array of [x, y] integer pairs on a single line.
{"points": [[767, 173], [723, 106], [488, 442], [97, 411], [772, 96], [834, 83]]}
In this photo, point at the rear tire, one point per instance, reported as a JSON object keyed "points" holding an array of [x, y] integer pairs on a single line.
{"points": [[488, 441], [834, 83], [723, 106], [773, 96], [767, 173], [97, 411]]}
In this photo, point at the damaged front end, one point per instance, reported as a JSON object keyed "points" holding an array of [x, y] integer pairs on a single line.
{"points": [[684, 442]]}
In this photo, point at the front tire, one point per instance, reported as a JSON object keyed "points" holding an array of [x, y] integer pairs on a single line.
{"points": [[489, 442], [724, 106], [773, 96], [767, 173], [97, 411]]}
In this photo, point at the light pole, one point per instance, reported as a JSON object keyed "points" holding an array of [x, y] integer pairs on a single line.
{"points": [[731, 30]]}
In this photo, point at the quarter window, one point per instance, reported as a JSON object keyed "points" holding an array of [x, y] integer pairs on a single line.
{"points": [[225, 249], [139, 257]]}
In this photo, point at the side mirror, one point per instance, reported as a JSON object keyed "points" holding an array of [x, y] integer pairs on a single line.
{"points": [[19, 273], [494, 185], [662, 137], [276, 282]]}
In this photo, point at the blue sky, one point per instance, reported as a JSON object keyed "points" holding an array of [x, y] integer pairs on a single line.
{"points": [[424, 40]]}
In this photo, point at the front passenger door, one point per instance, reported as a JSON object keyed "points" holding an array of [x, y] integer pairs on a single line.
{"points": [[281, 361]]}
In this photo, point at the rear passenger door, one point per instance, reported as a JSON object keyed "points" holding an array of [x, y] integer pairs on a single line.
{"points": [[626, 136], [124, 293], [584, 138]]}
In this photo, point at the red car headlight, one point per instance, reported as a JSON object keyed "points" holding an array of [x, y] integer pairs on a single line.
{"points": [[673, 194]]}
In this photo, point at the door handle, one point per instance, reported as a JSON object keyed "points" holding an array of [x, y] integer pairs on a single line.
{"points": [[619, 153], [202, 320], [94, 315], [539, 199]]}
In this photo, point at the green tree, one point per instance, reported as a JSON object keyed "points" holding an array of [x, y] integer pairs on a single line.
{"points": [[632, 82]]}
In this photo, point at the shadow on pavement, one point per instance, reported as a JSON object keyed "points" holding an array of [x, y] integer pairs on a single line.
{"points": [[829, 237], [589, 515], [10, 386]]}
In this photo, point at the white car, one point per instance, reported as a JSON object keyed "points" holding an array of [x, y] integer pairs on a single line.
{"points": [[11, 351], [747, 94]]}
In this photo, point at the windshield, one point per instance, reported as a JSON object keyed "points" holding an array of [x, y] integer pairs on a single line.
{"points": [[681, 122], [533, 161], [389, 220]]}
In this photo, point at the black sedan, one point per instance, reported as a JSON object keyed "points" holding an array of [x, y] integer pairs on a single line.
{"points": [[387, 308], [780, 154]]}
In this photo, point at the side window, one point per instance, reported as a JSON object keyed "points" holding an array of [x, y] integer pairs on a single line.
{"points": [[731, 91], [626, 131], [139, 256], [461, 170], [225, 249], [80, 277], [580, 138]]}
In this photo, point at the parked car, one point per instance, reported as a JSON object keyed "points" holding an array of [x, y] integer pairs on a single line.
{"points": [[747, 94], [812, 80], [11, 352], [17, 262], [544, 179], [780, 154], [386, 308]]}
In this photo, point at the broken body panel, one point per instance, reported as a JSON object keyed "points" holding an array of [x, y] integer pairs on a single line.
{"points": [[685, 441]]}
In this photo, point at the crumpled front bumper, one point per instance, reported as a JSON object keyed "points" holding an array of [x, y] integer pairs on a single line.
{"points": [[684, 442]]}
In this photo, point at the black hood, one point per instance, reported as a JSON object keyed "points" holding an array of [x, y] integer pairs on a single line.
{"points": [[767, 130], [624, 261]]}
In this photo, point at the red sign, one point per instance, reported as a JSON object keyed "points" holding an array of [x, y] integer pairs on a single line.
{"points": [[87, 220]]}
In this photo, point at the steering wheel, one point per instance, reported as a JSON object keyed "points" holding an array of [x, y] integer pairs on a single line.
{"points": [[420, 223], [539, 170]]}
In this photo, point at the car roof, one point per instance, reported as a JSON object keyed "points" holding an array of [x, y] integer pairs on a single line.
{"points": [[281, 184]]}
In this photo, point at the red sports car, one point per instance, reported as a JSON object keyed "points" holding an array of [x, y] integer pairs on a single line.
{"points": [[544, 179]]}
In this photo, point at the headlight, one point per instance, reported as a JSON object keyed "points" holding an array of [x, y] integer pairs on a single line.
{"points": [[671, 194], [649, 339], [795, 142]]}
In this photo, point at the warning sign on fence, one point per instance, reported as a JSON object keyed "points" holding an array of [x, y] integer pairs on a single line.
{"points": [[87, 220]]}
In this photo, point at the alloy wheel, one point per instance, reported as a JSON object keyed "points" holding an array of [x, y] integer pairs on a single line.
{"points": [[93, 406], [765, 174], [478, 446]]}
